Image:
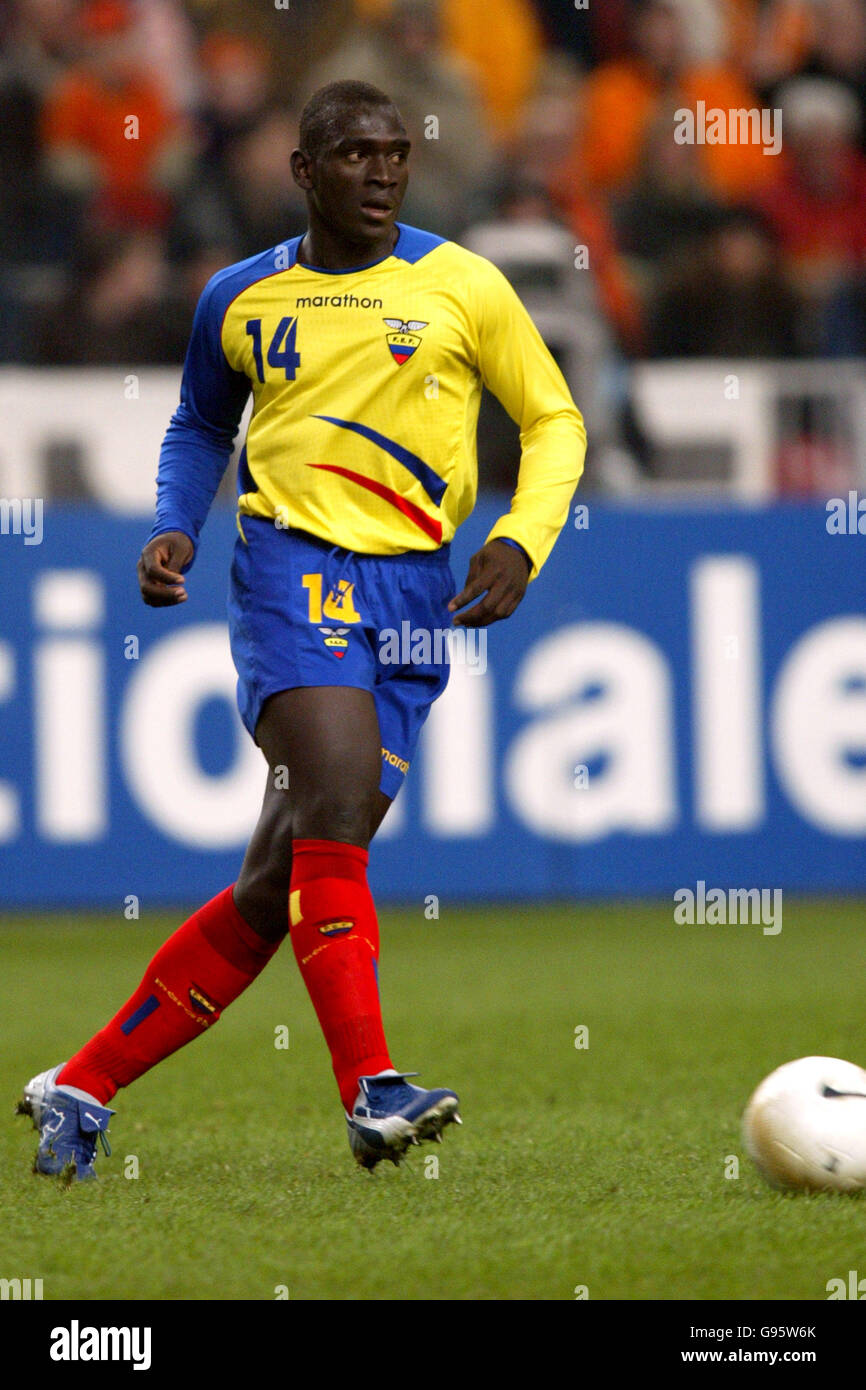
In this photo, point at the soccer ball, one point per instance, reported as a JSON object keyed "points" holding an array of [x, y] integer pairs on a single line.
{"points": [[805, 1126]]}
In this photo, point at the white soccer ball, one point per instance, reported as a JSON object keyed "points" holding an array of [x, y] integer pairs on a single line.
{"points": [[805, 1126]]}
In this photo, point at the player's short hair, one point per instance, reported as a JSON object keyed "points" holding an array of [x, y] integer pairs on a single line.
{"points": [[324, 114]]}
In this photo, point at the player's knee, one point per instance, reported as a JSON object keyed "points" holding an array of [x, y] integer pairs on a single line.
{"points": [[261, 896], [344, 816]]}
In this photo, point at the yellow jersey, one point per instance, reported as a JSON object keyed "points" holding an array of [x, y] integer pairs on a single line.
{"points": [[366, 389]]}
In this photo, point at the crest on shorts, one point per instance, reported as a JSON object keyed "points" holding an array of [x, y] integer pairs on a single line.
{"points": [[335, 639], [404, 338]]}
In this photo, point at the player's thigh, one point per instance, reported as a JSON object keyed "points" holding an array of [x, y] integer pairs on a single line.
{"points": [[325, 740]]}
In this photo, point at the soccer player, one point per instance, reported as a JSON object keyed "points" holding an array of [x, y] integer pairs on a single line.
{"points": [[365, 344]]}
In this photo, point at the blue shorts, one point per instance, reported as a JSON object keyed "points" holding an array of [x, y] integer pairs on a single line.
{"points": [[305, 613]]}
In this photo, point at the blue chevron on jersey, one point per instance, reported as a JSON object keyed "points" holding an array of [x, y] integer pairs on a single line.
{"points": [[432, 484]]}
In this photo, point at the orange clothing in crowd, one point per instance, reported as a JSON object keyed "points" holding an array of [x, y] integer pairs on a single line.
{"points": [[782, 28], [778, 34], [621, 101], [83, 115], [504, 48]]}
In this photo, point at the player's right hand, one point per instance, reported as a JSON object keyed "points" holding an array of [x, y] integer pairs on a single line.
{"points": [[159, 569]]}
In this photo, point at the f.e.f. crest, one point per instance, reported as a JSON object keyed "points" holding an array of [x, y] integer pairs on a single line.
{"points": [[404, 339]]}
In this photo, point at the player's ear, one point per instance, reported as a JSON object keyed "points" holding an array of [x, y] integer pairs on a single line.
{"points": [[302, 169]]}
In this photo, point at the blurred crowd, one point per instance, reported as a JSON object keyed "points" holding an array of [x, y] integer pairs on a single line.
{"points": [[145, 143]]}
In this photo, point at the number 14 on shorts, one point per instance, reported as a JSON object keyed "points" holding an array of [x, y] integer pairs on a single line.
{"points": [[338, 604]]}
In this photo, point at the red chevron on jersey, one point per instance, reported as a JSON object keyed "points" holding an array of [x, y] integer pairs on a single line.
{"points": [[421, 519]]}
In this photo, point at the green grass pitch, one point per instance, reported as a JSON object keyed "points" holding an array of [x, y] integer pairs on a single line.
{"points": [[601, 1166]]}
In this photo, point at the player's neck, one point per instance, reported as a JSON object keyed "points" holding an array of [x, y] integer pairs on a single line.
{"points": [[321, 250]]}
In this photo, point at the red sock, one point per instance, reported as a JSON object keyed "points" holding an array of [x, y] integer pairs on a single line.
{"points": [[335, 937], [206, 964]]}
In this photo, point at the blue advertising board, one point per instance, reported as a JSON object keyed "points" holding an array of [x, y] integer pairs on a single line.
{"points": [[681, 697]]}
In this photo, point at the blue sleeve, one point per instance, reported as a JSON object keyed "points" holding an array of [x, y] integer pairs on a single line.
{"points": [[199, 439], [515, 545]]}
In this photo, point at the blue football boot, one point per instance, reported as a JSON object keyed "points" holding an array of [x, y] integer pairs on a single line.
{"points": [[68, 1121], [390, 1115]]}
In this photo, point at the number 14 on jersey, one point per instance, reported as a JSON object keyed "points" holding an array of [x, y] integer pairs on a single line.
{"points": [[281, 352]]}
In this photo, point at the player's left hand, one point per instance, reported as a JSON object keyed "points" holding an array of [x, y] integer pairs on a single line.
{"points": [[501, 574]]}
